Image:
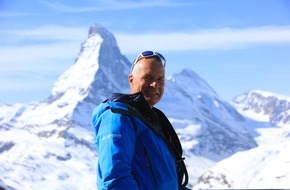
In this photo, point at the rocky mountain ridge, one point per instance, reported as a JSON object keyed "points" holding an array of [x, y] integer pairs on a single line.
{"points": [[274, 107]]}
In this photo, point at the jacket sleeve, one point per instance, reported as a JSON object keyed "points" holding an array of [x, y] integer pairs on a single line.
{"points": [[115, 143]]}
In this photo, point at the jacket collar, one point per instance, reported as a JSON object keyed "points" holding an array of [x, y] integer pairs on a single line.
{"points": [[136, 100]]}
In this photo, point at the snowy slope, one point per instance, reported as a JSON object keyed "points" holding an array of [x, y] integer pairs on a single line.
{"points": [[50, 143], [266, 166]]}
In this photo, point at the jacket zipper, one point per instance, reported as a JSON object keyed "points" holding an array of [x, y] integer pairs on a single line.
{"points": [[148, 163]]}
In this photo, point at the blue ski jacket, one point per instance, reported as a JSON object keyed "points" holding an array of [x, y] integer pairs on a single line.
{"points": [[131, 153]]}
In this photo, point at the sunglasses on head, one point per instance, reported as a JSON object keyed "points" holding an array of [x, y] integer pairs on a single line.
{"points": [[147, 54]]}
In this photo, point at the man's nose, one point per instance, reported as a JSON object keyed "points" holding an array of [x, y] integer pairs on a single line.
{"points": [[154, 83]]}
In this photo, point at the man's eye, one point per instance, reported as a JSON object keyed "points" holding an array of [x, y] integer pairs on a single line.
{"points": [[146, 78], [160, 81]]}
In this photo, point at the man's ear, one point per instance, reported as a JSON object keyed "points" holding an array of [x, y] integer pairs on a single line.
{"points": [[130, 79]]}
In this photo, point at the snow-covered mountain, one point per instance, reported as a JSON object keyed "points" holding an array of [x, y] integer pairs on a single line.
{"points": [[266, 166], [273, 108], [50, 144], [220, 127]]}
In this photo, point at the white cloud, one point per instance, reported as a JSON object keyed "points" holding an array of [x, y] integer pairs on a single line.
{"points": [[37, 57], [213, 39], [48, 32], [89, 6], [64, 43], [40, 49]]}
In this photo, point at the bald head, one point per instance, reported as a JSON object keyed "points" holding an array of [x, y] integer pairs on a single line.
{"points": [[136, 68]]}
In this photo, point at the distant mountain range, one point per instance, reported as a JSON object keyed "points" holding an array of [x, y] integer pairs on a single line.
{"points": [[50, 144], [266, 166], [274, 107]]}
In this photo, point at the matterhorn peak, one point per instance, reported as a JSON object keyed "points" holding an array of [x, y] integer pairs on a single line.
{"points": [[97, 29], [108, 37], [99, 71], [94, 29]]}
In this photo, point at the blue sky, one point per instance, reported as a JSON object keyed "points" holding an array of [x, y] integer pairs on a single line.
{"points": [[235, 45]]}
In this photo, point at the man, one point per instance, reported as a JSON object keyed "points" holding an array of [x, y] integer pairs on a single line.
{"points": [[137, 146]]}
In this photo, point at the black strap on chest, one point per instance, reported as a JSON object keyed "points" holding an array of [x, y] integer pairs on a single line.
{"points": [[173, 144]]}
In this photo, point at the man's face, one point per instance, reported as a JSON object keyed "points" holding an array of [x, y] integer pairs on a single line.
{"points": [[148, 78]]}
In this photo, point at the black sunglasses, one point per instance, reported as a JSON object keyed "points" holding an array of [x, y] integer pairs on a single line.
{"points": [[147, 54]]}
